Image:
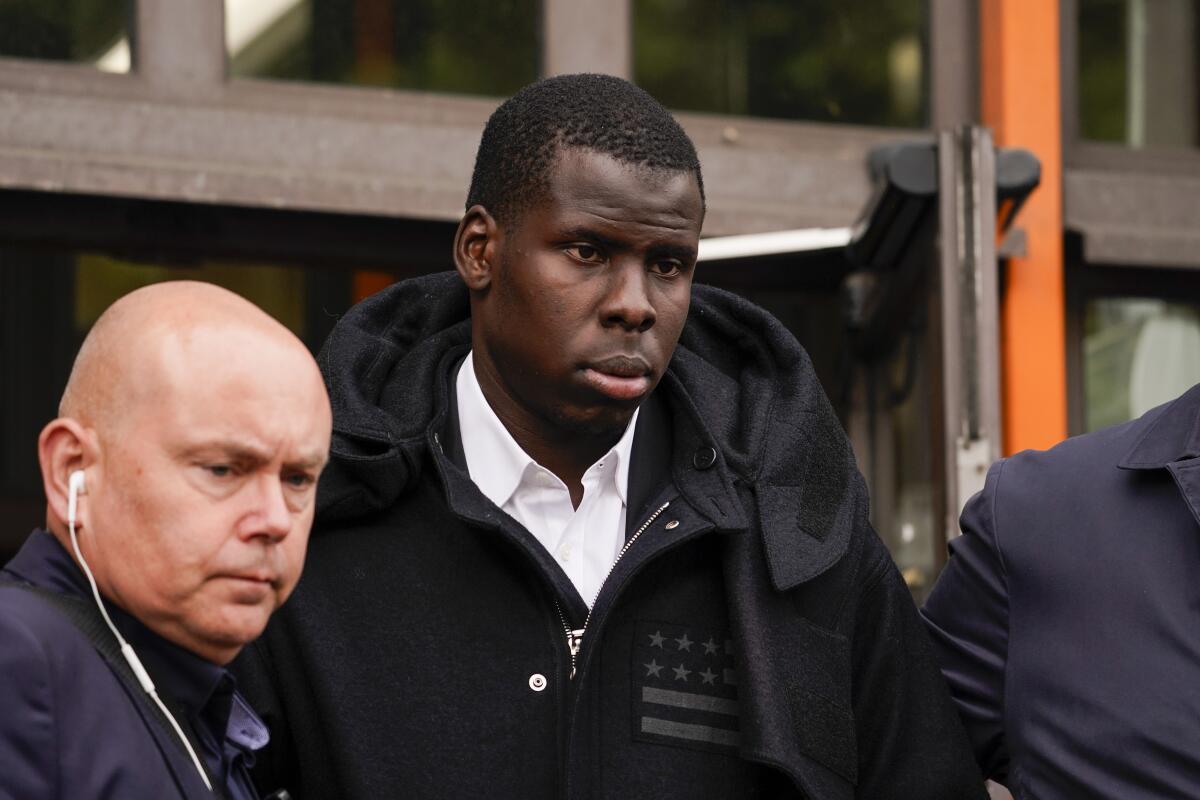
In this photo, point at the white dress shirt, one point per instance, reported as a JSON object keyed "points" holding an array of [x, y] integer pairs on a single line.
{"points": [[585, 540]]}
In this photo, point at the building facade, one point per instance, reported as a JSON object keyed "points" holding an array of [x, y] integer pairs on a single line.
{"points": [[306, 153]]}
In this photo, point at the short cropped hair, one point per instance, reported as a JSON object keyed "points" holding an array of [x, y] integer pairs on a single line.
{"points": [[523, 137]]}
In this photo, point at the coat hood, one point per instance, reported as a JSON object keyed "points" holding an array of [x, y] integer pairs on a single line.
{"points": [[741, 375]]}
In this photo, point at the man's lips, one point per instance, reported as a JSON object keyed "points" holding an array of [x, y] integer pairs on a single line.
{"points": [[251, 587], [619, 377], [265, 577]]}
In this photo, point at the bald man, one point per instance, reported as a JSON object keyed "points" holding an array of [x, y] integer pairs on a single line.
{"points": [[179, 477]]}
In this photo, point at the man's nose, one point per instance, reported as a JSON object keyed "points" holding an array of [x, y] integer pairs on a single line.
{"points": [[627, 303], [271, 515]]}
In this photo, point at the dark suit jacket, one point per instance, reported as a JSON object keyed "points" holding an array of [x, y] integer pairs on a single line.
{"points": [[68, 727], [1068, 617]]}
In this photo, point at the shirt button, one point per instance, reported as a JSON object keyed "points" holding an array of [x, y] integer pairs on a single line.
{"points": [[564, 552], [537, 682]]}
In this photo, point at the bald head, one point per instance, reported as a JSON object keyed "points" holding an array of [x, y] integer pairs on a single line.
{"points": [[201, 425], [122, 356]]}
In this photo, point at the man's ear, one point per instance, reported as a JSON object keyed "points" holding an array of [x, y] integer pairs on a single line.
{"points": [[476, 246], [63, 447]]}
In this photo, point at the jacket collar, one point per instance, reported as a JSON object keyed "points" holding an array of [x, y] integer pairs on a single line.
{"points": [[745, 406], [1173, 435], [670, 442]]}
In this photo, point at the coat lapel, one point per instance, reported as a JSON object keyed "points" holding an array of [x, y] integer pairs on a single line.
{"points": [[1187, 477], [1171, 441]]}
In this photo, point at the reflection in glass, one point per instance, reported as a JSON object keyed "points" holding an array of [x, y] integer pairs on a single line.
{"points": [[65, 30], [101, 280], [434, 45], [914, 535], [1137, 354], [850, 61], [1138, 68]]}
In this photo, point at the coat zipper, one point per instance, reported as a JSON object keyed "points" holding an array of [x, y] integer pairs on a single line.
{"points": [[575, 636]]}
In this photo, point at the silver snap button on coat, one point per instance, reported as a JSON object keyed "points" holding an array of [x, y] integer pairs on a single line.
{"points": [[537, 682], [672, 525]]}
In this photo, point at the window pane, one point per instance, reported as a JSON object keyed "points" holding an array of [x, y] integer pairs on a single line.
{"points": [[435, 45], [1138, 353], [91, 31], [1138, 71], [849, 61], [49, 299]]}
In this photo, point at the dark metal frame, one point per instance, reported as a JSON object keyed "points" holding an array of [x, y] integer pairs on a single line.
{"points": [[1128, 205], [1084, 282], [177, 157], [1132, 220]]}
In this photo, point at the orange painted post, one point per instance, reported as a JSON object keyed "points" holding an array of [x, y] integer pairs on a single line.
{"points": [[367, 283], [1019, 67]]}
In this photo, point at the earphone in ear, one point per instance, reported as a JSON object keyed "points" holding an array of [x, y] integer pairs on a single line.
{"points": [[76, 485]]}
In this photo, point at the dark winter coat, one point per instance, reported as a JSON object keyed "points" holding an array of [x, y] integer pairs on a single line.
{"points": [[70, 727], [1066, 618], [754, 640]]}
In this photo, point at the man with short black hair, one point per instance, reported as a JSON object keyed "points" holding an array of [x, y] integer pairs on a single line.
{"points": [[559, 555]]}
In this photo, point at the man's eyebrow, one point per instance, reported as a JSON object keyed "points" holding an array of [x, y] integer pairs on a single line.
{"points": [[309, 461], [241, 452], [680, 251], [229, 449], [582, 232], [592, 235]]}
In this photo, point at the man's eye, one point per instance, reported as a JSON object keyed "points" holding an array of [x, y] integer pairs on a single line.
{"points": [[585, 252], [667, 268], [299, 480], [219, 470]]}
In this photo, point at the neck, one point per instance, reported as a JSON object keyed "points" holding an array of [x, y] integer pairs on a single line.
{"points": [[566, 453], [566, 450]]}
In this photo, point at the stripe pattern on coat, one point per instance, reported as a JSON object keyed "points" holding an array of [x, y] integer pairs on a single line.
{"points": [[685, 686]]}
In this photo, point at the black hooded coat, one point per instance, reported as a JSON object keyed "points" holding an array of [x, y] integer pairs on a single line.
{"points": [[754, 639]]}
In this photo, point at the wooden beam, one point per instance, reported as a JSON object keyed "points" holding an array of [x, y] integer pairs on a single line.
{"points": [[370, 151]]}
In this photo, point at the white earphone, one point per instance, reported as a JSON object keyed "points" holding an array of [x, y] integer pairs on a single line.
{"points": [[77, 485]]}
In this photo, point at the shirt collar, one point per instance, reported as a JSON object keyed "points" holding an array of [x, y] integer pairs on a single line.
{"points": [[495, 462], [622, 452]]}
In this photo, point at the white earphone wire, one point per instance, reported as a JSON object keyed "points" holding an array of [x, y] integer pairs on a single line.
{"points": [[126, 649]]}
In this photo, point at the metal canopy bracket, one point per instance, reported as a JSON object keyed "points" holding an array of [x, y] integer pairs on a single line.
{"points": [[970, 305], [890, 246], [977, 191]]}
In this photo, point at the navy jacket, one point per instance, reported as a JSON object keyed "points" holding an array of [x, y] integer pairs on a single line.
{"points": [[69, 727], [1068, 618], [754, 641]]}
